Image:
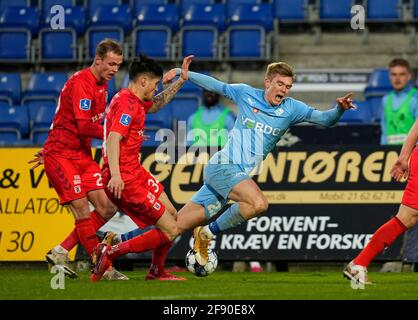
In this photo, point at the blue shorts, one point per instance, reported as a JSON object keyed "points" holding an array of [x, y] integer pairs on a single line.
{"points": [[219, 179]]}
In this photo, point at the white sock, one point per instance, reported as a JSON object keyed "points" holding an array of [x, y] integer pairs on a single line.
{"points": [[60, 249], [206, 233]]}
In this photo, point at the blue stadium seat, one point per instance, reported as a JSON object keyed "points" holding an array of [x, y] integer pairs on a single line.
{"points": [[157, 15], [15, 3], [378, 83], [361, 115], [15, 45], [289, 10], [189, 88], [183, 105], [110, 16], [34, 106], [46, 5], [158, 120], [382, 10], [58, 45], [415, 8], [249, 14], [10, 87], [14, 123], [205, 15], [20, 17], [4, 103], [200, 31], [154, 42], [137, 4], [185, 4], [375, 103], [233, 4], [335, 10], [41, 124], [155, 25], [45, 85], [74, 19], [249, 25], [97, 34], [238, 38], [92, 5]]}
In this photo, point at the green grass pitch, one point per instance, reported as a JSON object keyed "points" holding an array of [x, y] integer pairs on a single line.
{"points": [[26, 284]]}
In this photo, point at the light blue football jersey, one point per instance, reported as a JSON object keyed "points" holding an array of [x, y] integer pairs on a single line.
{"points": [[259, 125]]}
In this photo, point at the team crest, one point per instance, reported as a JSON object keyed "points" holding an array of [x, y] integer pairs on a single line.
{"points": [[85, 104], [157, 206], [77, 189], [279, 111], [125, 119]]}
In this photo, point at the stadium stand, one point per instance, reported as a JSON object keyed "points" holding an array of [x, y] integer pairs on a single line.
{"points": [[10, 87]]}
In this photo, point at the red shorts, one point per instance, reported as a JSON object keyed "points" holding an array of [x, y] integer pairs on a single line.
{"points": [[139, 199], [72, 179], [410, 195]]}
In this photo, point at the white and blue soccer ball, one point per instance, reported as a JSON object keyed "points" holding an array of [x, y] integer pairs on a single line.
{"points": [[201, 271]]}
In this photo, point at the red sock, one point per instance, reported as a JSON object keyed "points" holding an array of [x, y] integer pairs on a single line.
{"points": [[86, 234], [158, 258], [72, 239], [146, 241], [383, 237]]}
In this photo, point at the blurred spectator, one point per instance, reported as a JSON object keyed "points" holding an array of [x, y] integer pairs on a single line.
{"points": [[210, 124], [400, 106]]}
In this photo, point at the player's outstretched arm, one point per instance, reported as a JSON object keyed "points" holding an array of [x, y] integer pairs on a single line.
{"points": [[160, 100], [401, 167], [330, 117], [201, 80]]}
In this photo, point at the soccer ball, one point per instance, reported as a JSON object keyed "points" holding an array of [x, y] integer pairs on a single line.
{"points": [[201, 271]]}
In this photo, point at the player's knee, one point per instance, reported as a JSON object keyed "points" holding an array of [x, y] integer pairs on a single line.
{"points": [[260, 205], [172, 232], [407, 219]]}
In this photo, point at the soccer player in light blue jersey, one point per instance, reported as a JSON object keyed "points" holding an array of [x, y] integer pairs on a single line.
{"points": [[263, 117]]}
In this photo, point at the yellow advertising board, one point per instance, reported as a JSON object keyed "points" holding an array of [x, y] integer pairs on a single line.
{"points": [[31, 219]]}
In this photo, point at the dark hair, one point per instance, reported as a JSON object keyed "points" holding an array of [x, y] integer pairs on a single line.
{"points": [[401, 63], [143, 64], [108, 45]]}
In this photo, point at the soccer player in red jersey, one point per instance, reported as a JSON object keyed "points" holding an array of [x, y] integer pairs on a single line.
{"points": [[67, 157], [129, 186], [406, 218]]}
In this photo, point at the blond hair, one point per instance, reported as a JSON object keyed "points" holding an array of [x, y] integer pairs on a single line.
{"points": [[281, 68], [108, 45]]}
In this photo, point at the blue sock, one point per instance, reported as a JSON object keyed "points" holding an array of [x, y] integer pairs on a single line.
{"points": [[229, 219], [131, 234]]}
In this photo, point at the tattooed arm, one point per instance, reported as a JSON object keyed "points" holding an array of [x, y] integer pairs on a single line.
{"points": [[160, 100]]}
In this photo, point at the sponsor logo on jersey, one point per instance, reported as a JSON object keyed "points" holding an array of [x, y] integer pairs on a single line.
{"points": [[265, 128], [85, 104], [279, 111], [125, 119], [151, 197]]}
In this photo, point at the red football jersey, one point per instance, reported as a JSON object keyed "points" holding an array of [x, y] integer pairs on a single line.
{"points": [[126, 115], [82, 97]]}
